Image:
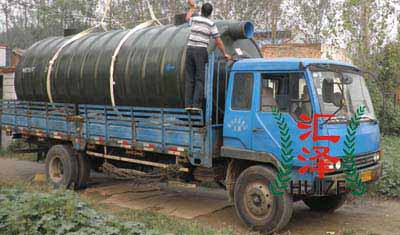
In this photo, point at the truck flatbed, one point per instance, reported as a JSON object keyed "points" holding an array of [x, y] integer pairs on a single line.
{"points": [[167, 131]]}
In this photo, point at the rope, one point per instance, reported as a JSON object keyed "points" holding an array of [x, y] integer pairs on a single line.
{"points": [[152, 15], [107, 9], [137, 176], [116, 52], [71, 40]]}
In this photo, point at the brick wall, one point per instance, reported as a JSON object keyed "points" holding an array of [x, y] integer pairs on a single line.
{"points": [[293, 50], [298, 50]]}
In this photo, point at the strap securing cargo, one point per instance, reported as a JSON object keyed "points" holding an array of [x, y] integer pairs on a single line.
{"points": [[114, 57], [51, 62], [116, 52]]}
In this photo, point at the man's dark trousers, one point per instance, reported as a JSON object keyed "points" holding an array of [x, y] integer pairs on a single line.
{"points": [[196, 60]]}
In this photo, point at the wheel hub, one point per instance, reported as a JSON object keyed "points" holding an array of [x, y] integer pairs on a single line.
{"points": [[258, 200], [56, 170]]}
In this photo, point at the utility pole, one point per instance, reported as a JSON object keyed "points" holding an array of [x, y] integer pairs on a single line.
{"points": [[172, 8], [111, 15]]}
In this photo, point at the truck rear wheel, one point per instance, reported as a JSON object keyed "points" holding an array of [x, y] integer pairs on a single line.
{"points": [[84, 166], [325, 204], [61, 166], [256, 205]]}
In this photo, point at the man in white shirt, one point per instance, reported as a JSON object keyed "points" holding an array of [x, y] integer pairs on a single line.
{"points": [[202, 29]]}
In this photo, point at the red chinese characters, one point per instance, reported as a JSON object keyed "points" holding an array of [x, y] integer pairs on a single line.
{"points": [[321, 160]]}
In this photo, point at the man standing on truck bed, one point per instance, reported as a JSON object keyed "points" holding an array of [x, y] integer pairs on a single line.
{"points": [[202, 29]]}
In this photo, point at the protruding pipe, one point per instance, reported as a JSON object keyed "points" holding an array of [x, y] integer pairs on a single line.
{"points": [[236, 29]]}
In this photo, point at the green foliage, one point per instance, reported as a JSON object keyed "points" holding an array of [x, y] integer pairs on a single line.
{"points": [[29, 209], [384, 87], [353, 180], [57, 212], [389, 184], [281, 183], [170, 225]]}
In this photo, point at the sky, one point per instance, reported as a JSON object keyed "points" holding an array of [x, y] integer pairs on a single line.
{"points": [[392, 29]]}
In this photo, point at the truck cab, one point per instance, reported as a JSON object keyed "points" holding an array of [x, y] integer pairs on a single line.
{"points": [[316, 100]]}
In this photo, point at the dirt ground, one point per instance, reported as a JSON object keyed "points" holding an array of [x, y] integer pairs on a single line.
{"points": [[361, 216]]}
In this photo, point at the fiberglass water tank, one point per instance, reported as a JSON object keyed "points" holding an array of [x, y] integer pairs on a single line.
{"points": [[149, 69]]}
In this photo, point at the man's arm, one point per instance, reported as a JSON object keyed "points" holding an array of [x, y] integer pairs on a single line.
{"points": [[192, 9], [220, 45]]}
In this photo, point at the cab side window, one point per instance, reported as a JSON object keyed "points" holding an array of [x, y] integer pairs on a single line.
{"points": [[286, 91], [242, 91]]}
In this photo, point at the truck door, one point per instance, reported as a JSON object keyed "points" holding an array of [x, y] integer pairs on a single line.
{"points": [[290, 94], [239, 113]]}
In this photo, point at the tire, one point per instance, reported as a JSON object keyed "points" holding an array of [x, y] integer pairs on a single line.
{"points": [[84, 168], [326, 203], [61, 166], [256, 206]]}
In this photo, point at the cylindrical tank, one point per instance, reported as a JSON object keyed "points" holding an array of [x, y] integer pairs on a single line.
{"points": [[149, 69]]}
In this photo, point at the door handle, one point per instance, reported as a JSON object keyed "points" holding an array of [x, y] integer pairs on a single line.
{"points": [[258, 130]]}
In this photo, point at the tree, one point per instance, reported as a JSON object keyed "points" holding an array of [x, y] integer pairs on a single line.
{"points": [[366, 24], [315, 19]]}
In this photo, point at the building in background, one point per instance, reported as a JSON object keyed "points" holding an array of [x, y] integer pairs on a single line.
{"points": [[286, 44], [8, 62], [303, 50], [264, 38]]}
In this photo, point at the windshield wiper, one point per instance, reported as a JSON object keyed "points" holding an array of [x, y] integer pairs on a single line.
{"points": [[333, 115]]}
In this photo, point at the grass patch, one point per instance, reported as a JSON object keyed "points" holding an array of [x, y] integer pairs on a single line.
{"points": [[389, 184], [17, 144], [25, 210], [170, 225], [5, 153], [32, 209]]}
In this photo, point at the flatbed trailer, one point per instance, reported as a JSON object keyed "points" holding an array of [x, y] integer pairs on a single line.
{"points": [[120, 133]]}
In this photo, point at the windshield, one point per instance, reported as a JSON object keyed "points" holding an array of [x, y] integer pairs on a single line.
{"points": [[341, 93]]}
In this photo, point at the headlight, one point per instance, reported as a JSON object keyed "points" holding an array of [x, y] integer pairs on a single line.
{"points": [[377, 156], [338, 165]]}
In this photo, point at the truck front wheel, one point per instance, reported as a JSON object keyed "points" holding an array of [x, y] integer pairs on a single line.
{"points": [[256, 205], [326, 203], [61, 166]]}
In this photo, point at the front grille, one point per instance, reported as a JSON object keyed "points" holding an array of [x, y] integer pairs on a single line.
{"points": [[362, 161]]}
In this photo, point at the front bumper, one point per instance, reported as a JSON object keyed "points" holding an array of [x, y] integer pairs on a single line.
{"points": [[334, 184], [376, 172]]}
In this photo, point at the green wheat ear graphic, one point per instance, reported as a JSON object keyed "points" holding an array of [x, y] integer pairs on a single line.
{"points": [[281, 183], [353, 179]]}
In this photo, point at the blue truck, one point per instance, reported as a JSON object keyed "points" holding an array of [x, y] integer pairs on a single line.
{"points": [[241, 150]]}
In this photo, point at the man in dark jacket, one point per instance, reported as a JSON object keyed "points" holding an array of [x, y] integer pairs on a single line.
{"points": [[202, 30]]}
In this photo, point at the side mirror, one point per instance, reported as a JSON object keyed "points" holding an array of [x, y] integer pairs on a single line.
{"points": [[347, 80], [328, 91], [337, 99]]}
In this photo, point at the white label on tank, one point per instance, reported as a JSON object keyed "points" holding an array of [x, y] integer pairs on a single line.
{"points": [[28, 70], [239, 51]]}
